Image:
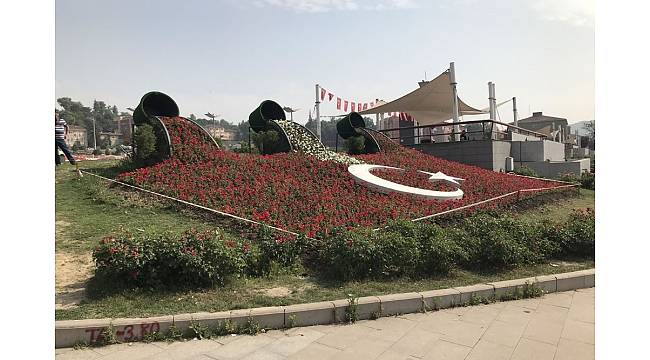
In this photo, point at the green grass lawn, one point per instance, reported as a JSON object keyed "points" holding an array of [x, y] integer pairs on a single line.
{"points": [[560, 210], [87, 210]]}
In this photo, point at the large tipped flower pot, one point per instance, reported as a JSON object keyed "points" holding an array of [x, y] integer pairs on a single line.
{"points": [[345, 127], [154, 103], [260, 117]]}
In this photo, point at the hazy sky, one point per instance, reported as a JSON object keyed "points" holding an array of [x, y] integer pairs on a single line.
{"points": [[226, 56]]}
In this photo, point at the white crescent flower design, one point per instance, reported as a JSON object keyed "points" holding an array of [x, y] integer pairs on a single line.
{"points": [[362, 174]]}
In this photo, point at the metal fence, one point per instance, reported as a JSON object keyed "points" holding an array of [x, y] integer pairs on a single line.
{"points": [[473, 130]]}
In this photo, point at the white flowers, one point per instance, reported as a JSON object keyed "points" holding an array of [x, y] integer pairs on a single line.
{"points": [[307, 143]]}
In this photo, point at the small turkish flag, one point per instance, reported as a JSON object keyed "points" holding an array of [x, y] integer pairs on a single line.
{"points": [[322, 93], [353, 108], [338, 103], [330, 95], [345, 106]]}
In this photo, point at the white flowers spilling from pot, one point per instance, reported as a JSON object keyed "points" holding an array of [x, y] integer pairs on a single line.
{"points": [[306, 142]]}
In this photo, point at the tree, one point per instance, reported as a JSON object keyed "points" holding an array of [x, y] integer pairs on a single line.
{"points": [[104, 116], [328, 131], [590, 126], [243, 129], [75, 113], [145, 143]]}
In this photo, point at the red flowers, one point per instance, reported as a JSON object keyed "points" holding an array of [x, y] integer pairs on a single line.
{"points": [[189, 143], [299, 193]]}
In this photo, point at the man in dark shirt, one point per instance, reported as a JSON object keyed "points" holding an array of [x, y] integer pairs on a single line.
{"points": [[60, 133]]}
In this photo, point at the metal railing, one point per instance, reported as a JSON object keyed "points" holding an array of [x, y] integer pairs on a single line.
{"points": [[474, 130]]}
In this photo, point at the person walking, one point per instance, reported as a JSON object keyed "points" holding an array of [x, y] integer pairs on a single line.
{"points": [[60, 133]]}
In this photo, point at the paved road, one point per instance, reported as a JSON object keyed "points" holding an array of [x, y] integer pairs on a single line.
{"points": [[554, 327]]}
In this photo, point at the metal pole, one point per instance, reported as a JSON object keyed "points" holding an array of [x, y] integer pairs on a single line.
{"points": [[94, 135], [416, 134], [452, 82], [318, 132], [493, 106], [514, 111], [491, 101]]}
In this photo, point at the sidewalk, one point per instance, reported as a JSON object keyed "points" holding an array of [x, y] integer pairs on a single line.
{"points": [[556, 326]]}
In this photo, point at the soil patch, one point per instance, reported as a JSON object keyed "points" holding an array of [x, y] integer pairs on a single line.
{"points": [[71, 274], [279, 291]]}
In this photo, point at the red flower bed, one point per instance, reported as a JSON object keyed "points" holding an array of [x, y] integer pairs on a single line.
{"points": [[299, 193], [189, 143]]}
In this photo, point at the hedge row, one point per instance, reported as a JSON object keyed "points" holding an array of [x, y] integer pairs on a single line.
{"points": [[482, 242]]}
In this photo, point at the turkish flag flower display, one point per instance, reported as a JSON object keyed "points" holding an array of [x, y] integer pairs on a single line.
{"points": [[298, 192]]}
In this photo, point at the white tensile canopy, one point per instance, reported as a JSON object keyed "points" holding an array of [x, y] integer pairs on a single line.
{"points": [[431, 104]]}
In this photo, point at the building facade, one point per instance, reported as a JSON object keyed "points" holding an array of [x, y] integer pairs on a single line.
{"points": [[224, 134], [106, 139], [124, 126], [76, 136], [557, 129]]}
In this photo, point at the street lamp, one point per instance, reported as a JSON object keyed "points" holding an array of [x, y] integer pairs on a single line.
{"points": [[212, 116], [290, 111]]}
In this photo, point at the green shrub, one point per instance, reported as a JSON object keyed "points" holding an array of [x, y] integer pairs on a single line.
{"points": [[530, 235], [144, 140], [526, 171], [274, 247], [581, 230], [574, 238], [268, 142], [394, 255], [438, 252], [402, 249], [586, 180], [347, 255], [355, 145], [192, 259], [489, 245]]}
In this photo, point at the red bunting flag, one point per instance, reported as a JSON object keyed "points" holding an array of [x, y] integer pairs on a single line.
{"points": [[365, 106], [372, 105], [353, 108], [330, 95], [322, 94], [338, 103], [345, 105]]}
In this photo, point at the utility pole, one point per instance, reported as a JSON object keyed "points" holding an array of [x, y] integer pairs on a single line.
{"points": [[318, 131], [514, 111], [452, 82]]}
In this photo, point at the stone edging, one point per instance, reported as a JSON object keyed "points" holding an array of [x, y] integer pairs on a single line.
{"points": [[71, 332]]}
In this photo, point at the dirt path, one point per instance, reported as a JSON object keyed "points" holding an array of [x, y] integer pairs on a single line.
{"points": [[71, 273]]}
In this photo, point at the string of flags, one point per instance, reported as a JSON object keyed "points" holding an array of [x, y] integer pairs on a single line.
{"points": [[356, 106]]}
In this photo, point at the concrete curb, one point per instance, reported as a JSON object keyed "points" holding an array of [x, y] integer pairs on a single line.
{"points": [[71, 332]]}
